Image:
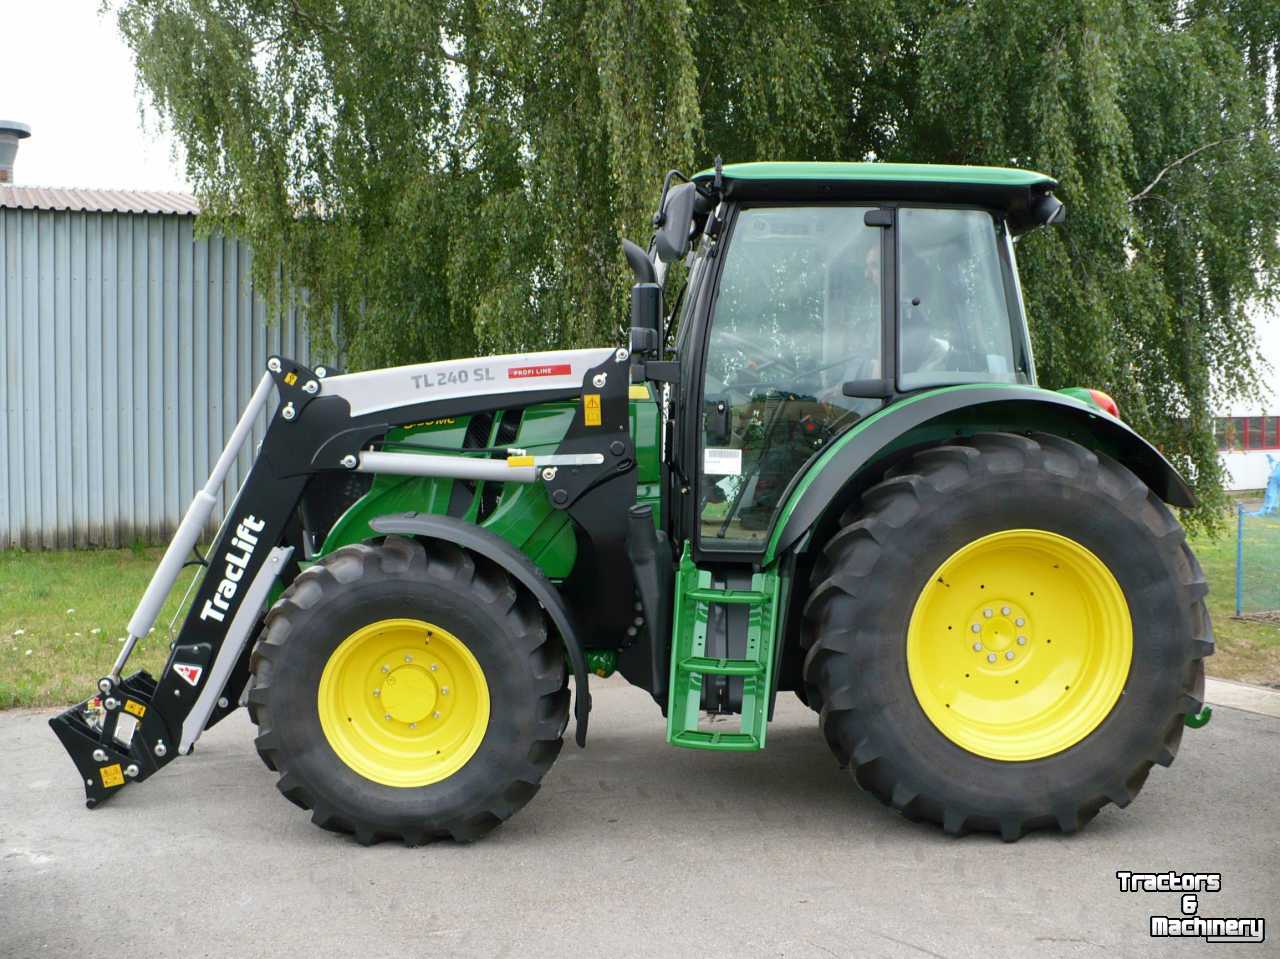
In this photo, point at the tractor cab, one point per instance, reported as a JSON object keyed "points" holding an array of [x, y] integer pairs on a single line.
{"points": [[819, 293]]}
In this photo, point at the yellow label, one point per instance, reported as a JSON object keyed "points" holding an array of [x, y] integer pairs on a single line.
{"points": [[132, 706], [519, 460], [290, 379], [638, 391], [590, 409], [111, 776]]}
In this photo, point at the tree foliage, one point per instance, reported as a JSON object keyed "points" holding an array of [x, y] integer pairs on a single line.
{"points": [[452, 176]]}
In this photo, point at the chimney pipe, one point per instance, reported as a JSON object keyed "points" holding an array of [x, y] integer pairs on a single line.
{"points": [[10, 133]]}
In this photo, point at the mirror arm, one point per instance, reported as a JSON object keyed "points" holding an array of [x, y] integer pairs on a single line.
{"points": [[660, 217]]}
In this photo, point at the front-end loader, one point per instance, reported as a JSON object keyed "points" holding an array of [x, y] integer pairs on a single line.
{"points": [[826, 469]]}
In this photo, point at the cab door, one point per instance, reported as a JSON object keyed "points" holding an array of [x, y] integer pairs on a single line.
{"points": [[797, 311]]}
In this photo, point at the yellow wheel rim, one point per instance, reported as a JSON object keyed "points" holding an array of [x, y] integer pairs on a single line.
{"points": [[403, 702], [1019, 645]]}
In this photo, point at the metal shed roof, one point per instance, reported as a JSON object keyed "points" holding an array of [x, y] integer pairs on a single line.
{"points": [[97, 201]]}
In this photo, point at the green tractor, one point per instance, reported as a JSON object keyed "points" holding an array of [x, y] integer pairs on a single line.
{"points": [[826, 469]]}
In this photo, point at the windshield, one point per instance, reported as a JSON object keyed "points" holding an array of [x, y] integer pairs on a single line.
{"points": [[956, 324]]}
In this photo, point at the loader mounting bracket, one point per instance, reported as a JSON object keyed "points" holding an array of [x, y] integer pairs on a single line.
{"points": [[115, 738]]}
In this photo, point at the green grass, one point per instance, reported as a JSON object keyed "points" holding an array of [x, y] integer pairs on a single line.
{"points": [[1248, 650], [62, 615]]}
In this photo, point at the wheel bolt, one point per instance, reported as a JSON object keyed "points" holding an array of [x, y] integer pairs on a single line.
{"points": [[987, 613], [387, 717], [1022, 640], [1009, 654], [436, 714], [977, 647], [434, 667], [991, 657], [408, 659], [1004, 610], [413, 725], [444, 690], [377, 692], [386, 668], [976, 628], [1019, 621]]}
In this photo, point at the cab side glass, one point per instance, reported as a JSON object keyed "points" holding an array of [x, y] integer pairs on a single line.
{"points": [[956, 321]]}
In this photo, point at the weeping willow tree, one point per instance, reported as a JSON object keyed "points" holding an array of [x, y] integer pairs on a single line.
{"points": [[452, 177]]}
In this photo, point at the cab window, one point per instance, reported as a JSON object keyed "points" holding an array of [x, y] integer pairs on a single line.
{"points": [[797, 314], [956, 325]]}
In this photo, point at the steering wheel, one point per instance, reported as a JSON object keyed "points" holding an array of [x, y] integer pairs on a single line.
{"points": [[761, 362], [796, 379]]}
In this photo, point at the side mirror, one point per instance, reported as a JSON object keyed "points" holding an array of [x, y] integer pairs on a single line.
{"points": [[675, 222], [646, 320]]}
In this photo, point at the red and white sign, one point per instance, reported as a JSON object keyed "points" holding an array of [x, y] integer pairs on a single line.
{"points": [[548, 369], [188, 672]]}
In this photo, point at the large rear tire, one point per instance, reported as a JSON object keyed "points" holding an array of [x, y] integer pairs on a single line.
{"points": [[408, 691], [930, 635]]}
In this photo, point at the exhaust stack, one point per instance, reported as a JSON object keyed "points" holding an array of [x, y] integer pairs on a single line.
{"points": [[10, 133]]}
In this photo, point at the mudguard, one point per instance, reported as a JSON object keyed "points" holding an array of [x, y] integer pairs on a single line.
{"points": [[493, 547], [959, 411]]}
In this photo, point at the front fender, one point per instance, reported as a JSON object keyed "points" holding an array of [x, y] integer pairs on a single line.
{"points": [[961, 411]]}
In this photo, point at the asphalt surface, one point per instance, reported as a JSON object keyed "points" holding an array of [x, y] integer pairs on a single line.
{"points": [[631, 849]]}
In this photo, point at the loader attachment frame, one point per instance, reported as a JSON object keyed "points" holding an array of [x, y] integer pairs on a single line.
{"points": [[133, 726]]}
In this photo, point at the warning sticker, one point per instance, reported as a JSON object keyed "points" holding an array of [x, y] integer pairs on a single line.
{"points": [[188, 672], [548, 369], [135, 707], [111, 776], [590, 409], [721, 462]]}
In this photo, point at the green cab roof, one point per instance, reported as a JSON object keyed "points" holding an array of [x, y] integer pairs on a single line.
{"points": [[1009, 190]]}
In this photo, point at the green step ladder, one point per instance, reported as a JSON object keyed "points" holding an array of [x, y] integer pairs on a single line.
{"points": [[694, 597]]}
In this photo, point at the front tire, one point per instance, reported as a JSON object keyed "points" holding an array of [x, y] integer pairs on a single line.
{"points": [[408, 691], [930, 655]]}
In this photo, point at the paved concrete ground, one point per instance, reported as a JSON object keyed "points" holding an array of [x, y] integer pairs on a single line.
{"points": [[631, 849], [1254, 699]]}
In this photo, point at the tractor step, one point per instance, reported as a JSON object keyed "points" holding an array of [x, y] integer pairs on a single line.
{"points": [[695, 595]]}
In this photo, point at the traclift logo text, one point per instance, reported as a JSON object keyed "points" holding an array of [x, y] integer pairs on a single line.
{"points": [[246, 541], [1191, 885]]}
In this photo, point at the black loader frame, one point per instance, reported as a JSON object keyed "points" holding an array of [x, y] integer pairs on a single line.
{"points": [[136, 725]]}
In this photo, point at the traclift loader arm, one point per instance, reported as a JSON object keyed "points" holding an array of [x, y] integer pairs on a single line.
{"points": [[133, 726]]}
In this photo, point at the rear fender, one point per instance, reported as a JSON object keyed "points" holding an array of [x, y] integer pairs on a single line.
{"points": [[860, 455]]}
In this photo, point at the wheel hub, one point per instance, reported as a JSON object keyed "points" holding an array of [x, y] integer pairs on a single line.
{"points": [[1019, 645], [408, 694], [403, 702], [1002, 627]]}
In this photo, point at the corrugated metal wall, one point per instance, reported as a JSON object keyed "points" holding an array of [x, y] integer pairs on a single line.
{"points": [[127, 349]]}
